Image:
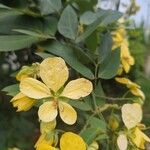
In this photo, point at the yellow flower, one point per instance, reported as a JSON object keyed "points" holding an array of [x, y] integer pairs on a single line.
{"points": [[27, 71], [139, 138], [122, 142], [22, 102], [131, 114], [45, 147], [134, 88], [43, 144], [118, 37], [126, 59], [54, 73], [71, 141], [120, 41]]}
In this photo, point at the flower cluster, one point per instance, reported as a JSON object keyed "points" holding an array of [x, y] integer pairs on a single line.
{"points": [[131, 136], [120, 40], [132, 116], [48, 86]]}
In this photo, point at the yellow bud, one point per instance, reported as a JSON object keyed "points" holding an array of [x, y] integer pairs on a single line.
{"points": [[80, 29], [27, 71], [93, 146], [22, 102], [113, 122]]}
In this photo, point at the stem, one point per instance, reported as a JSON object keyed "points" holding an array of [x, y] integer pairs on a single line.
{"points": [[113, 98], [108, 106], [87, 123], [126, 94], [147, 128], [94, 114], [96, 74], [97, 110]]}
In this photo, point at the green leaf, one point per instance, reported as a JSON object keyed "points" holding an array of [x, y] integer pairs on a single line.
{"points": [[16, 42], [89, 135], [4, 13], [69, 56], [98, 91], [19, 22], [85, 5], [50, 25], [91, 28], [80, 105], [97, 123], [34, 33], [44, 55], [88, 17], [92, 41], [68, 23], [109, 68], [2, 6], [105, 47], [83, 55], [12, 90], [49, 6], [110, 16], [96, 127], [104, 18]]}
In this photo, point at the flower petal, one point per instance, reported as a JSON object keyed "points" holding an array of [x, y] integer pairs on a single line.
{"points": [[44, 144], [71, 141], [138, 92], [122, 80], [125, 64], [140, 138], [54, 72], [45, 147], [34, 88], [48, 111], [122, 142], [131, 114], [78, 88], [18, 96], [42, 141], [22, 102], [67, 113], [127, 82]]}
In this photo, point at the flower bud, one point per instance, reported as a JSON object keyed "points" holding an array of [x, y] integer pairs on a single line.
{"points": [[113, 122]]}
